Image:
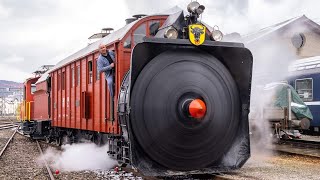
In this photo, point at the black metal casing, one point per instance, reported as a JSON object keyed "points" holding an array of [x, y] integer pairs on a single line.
{"points": [[235, 57]]}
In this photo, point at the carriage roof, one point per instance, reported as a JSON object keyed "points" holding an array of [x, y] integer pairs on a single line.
{"points": [[114, 36]]}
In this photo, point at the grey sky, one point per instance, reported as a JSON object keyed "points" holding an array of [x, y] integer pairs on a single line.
{"points": [[38, 32]]}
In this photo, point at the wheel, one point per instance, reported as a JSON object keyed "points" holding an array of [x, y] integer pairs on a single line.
{"points": [[65, 140], [47, 139], [58, 141], [163, 122]]}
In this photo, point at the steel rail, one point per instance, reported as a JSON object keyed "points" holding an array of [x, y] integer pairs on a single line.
{"points": [[301, 143], [8, 142], [5, 123], [8, 127], [45, 162]]}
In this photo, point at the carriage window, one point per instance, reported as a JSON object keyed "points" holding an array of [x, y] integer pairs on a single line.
{"points": [[153, 27], [304, 89], [72, 76], [139, 33], [78, 75], [63, 80], [59, 80], [127, 42], [90, 72], [33, 88], [97, 72]]}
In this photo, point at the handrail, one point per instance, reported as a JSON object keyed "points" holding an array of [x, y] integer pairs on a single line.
{"points": [[25, 110], [29, 107]]}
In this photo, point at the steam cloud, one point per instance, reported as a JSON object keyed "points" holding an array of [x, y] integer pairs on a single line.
{"points": [[78, 157], [243, 16]]}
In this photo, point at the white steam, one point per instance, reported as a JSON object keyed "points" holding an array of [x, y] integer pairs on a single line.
{"points": [[241, 16], [271, 58], [78, 157]]}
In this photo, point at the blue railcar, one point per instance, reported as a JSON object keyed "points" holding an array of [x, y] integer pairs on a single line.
{"points": [[304, 76]]}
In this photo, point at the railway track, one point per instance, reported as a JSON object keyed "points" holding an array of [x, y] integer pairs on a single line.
{"points": [[299, 147], [45, 162], [19, 166], [302, 143], [4, 123], [8, 126], [8, 142]]}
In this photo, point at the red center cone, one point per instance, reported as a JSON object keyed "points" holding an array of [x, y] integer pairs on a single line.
{"points": [[197, 108]]}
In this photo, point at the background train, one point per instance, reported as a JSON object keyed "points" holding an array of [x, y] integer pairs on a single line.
{"points": [[279, 108], [181, 102], [305, 78]]}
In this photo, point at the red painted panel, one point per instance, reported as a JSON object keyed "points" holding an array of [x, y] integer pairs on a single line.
{"points": [[78, 93], [63, 97], [67, 99], [41, 102], [83, 89], [103, 103], [59, 101], [54, 98], [72, 96], [97, 115]]}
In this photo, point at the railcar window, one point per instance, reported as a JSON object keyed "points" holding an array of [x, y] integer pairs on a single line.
{"points": [[59, 80], [72, 76], [24, 92], [153, 27], [304, 88], [78, 75], [33, 88], [97, 72], [63, 80], [127, 43], [90, 72], [139, 33]]}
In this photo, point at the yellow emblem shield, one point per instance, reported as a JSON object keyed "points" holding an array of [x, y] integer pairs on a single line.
{"points": [[197, 34]]}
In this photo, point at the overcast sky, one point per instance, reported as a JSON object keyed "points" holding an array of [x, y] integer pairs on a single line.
{"points": [[39, 32]]}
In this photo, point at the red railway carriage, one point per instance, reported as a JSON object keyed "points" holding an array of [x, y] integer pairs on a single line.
{"points": [[42, 99], [27, 106], [79, 95], [181, 102]]}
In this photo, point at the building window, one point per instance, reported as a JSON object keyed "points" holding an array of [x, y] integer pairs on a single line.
{"points": [[153, 27], [90, 72], [304, 88], [72, 77], [97, 71], [78, 75], [139, 33], [127, 42]]}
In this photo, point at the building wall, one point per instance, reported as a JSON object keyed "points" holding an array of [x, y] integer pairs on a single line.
{"points": [[310, 48]]}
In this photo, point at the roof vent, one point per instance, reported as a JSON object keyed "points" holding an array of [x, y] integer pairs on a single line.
{"points": [[130, 20], [134, 17], [104, 32], [138, 16], [42, 70]]}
